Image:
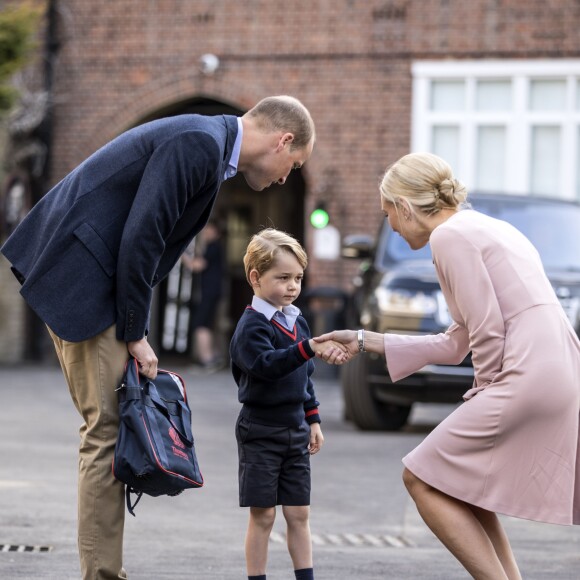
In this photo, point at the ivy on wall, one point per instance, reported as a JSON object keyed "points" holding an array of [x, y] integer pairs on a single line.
{"points": [[18, 25]]}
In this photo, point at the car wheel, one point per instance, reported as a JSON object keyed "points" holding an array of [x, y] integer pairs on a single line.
{"points": [[360, 404]]}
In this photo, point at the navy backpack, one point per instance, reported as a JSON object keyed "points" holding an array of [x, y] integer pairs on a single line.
{"points": [[155, 451]]}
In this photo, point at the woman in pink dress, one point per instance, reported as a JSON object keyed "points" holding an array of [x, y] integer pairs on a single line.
{"points": [[512, 447]]}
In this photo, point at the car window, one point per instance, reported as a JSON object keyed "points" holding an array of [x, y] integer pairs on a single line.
{"points": [[553, 229]]}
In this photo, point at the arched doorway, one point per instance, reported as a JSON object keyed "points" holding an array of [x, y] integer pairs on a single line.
{"points": [[239, 212]]}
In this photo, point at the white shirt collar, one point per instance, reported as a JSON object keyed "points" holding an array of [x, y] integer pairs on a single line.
{"points": [[290, 313], [232, 167]]}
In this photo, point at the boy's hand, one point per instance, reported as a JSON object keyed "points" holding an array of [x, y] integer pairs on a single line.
{"points": [[347, 338], [316, 438], [330, 351]]}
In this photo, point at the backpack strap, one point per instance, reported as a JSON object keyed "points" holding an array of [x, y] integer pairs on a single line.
{"points": [[128, 491], [186, 436]]}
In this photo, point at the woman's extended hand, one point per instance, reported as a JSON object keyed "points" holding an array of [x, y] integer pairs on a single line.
{"points": [[346, 337]]}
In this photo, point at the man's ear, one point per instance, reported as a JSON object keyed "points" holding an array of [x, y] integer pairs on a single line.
{"points": [[285, 140], [254, 278]]}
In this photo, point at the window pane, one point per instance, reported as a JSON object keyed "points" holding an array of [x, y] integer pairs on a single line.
{"points": [[494, 96], [491, 148], [548, 95], [445, 143], [447, 96], [545, 164]]}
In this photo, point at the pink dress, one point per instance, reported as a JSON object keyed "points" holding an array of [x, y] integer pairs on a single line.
{"points": [[513, 446]]}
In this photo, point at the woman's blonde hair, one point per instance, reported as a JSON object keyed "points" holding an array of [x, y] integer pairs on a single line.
{"points": [[266, 245], [426, 181], [287, 114]]}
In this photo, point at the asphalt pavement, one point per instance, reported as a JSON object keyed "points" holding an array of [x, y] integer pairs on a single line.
{"points": [[364, 525]]}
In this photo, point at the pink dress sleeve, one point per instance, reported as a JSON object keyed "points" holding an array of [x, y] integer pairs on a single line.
{"points": [[473, 304], [407, 354]]}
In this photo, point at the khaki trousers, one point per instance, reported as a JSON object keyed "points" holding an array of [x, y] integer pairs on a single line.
{"points": [[93, 369]]}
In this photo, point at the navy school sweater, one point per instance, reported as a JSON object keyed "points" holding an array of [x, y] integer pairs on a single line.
{"points": [[272, 368]]}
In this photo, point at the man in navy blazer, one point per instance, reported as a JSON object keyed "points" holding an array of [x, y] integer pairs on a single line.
{"points": [[90, 252]]}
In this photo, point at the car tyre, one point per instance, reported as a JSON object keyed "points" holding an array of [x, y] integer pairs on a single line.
{"points": [[361, 405]]}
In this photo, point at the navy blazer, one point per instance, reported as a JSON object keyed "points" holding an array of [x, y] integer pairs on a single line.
{"points": [[90, 252]]}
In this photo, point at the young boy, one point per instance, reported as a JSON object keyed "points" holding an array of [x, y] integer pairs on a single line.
{"points": [[279, 425]]}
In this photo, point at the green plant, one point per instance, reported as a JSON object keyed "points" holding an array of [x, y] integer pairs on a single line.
{"points": [[18, 25]]}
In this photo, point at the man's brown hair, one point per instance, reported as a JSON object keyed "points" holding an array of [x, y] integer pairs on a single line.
{"points": [[287, 114]]}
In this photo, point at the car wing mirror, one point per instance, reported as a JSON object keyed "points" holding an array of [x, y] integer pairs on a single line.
{"points": [[357, 246]]}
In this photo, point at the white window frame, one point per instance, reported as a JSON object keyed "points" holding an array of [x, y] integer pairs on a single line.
{"points": [[518, 122]]}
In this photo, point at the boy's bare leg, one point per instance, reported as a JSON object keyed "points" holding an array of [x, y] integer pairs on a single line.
{"points": [[458, 528], [298, 536], [257, 537]]}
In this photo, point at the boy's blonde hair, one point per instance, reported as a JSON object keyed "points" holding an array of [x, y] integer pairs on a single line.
{"points": [[265, 246]]}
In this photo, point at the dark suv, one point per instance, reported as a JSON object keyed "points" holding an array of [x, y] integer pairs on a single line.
{"points": [[397, 291]]}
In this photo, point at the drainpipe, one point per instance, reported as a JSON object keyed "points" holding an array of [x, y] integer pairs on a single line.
{"points": [[38, 343], [51, 48]]}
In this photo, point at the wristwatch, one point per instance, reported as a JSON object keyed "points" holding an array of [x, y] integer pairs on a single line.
{"points": [[361, 340]]}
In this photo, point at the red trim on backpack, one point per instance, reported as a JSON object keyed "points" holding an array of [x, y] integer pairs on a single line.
{"points": [[178, 475]]}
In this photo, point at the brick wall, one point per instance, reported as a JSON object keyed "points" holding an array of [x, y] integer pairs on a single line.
{"points": [[347, 60]]}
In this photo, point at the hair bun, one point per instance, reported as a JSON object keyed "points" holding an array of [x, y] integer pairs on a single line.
{"points": [[451, 192], [447, 188]]}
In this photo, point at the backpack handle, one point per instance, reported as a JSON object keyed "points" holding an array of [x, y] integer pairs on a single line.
{"points": [[186, 437]]}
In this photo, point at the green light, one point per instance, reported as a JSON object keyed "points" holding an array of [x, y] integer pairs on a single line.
{"points": [[319, 218]]}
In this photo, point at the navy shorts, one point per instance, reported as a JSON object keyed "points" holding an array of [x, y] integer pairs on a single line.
{"points": [[274, 466]]}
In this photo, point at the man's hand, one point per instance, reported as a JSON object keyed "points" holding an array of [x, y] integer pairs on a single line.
{"points": [[316, 438], [348, 338], [330, 351], [144, 355]]}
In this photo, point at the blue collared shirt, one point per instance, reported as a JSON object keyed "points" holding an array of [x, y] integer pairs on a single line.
{"points": [[287, 316], [232, 168]]}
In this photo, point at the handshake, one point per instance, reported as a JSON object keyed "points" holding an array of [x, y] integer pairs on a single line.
{"points": [[336, 347]]}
